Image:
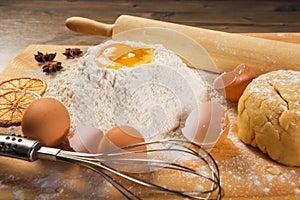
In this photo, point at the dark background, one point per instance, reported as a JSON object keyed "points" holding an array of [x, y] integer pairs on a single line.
{"points": [[27, 22]]}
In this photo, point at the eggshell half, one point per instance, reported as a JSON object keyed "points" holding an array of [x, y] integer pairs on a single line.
{"points": [[85, 139], [208, 125], [232, 84], [47, 120]]}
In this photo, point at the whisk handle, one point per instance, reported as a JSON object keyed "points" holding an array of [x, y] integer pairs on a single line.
{"points": [[19, 147]]}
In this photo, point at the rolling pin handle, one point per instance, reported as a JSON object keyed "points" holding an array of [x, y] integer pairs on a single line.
{"points": [[88, 26]]}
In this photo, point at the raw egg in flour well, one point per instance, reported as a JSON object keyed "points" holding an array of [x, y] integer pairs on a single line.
{"points": [[47, 120], [117, 55]]}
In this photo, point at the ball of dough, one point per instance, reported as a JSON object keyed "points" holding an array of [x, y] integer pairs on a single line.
{"points": [[269, 115]]}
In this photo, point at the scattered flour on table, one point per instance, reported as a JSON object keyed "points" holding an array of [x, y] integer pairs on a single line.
{"points": [[156, 99]]}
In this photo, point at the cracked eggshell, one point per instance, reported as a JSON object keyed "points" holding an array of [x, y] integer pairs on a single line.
{"points": [[208, 125], [232, 84], [85, 139]]}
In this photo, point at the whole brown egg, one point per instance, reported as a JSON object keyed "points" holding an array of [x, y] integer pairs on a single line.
{"points": [[47, 120]]}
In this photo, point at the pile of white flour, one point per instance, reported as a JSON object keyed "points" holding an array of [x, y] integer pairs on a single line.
{"points": [[154, 98]]}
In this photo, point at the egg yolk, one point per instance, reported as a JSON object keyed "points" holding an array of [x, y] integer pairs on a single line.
{"points": [[123, 55]]}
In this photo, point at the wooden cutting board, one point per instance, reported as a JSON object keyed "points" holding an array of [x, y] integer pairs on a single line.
{"points": [[245, 172]]}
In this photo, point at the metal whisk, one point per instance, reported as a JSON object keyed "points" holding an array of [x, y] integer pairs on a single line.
{"points": [[118, 166]]}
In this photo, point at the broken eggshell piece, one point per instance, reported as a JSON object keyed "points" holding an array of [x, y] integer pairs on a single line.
{"points": [[232, 84], [119, 157], [85, 139], [208, 125]]}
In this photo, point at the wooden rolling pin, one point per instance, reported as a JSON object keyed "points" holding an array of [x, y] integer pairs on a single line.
{"points": [[228, 50]]}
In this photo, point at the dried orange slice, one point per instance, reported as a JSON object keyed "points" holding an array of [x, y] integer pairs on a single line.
{"points": [[12, 106], [24, 83]]}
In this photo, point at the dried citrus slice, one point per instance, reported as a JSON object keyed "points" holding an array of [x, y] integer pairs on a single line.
{"points": [[12, 106], [25, 83]]}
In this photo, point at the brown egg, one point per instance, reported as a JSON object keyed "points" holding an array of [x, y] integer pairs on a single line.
{"points": [[117, 138], [232, 84], [47, 120]]}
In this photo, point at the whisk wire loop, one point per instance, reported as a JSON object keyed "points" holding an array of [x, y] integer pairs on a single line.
{"points": [[115, 183], [118, 157]]}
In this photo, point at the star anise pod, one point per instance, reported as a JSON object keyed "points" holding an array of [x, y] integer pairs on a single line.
{"points": [[43, 58], [52, 67], [72, 52]]}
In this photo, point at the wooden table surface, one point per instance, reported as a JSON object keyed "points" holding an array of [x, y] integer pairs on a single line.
{"points": [[27, 22]]}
